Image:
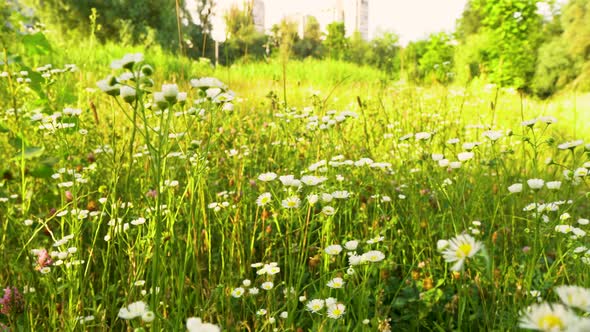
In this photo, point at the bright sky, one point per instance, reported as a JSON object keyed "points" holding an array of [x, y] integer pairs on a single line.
{"points": [[414, 19], [410, 19]]}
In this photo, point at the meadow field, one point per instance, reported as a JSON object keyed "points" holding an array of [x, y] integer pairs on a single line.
{"points": [[142, 191]]}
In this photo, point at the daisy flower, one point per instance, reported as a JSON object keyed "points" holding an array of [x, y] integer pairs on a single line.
{"points": [[553, 185], [515, 188], [535, 183], [341, 194], [336, 283], [351, 245], [268, 285], [266, 177], [263, 199], [328, 210], [355, 260], [373, 256], [546, 317], [574, 296], [312, 199], [195, 324], [334, 249], [460, 248], [133, 310], [315, 305], [375, 240], [464, 156], [291, 202], [237, 292], [336, 311]]}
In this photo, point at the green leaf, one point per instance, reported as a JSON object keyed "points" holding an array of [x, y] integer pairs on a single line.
{"points": [[36, 44], [36, 83], [33, 152], [3, 129], [42, 171], [17, 142]]}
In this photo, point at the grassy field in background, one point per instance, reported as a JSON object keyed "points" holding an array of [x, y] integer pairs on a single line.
{"points": [[364, 205]]}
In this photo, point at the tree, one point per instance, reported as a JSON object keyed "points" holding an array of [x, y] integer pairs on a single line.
{"points": [[242, 34], [471, 19], [576, 24], [575, 41], [204, 10], [512, 32], [515, 28], [336, 42], [124, 21], [437, 61], [555, 68], [311, 43], [384, 53], [411, 60], [284, 35], [358, 49]]}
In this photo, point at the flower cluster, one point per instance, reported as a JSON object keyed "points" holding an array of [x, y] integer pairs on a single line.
{"points": [[12, 302], [334, 309], [137, 309]]}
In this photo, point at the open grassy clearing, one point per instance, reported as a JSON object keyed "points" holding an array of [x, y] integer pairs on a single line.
{"points": [[326, 216]]}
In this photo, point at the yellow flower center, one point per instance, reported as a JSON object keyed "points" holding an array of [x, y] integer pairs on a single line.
{"points": [[550, 322], [464, 250]]}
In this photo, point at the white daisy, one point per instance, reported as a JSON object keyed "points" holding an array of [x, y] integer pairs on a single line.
{"points": [[373, 256], [334, 249], [460, 248], [546, 317], [263, 199], [574, 296], [266, 177], [315, 305], [237, 292], [291, 202], [336, 283], [336, 311]]}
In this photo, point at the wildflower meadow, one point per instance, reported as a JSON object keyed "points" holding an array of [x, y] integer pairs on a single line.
{"points": [[142, 191]]}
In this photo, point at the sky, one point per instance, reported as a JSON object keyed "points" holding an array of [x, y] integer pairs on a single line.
{"points": [[410, 19]]}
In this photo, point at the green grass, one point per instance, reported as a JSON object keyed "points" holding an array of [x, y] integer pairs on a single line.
{"points": [[202, 234]]}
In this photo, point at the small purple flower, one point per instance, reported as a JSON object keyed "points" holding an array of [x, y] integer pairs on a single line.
{"points": [[12, 302]]}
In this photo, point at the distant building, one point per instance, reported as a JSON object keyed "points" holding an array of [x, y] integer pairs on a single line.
{"points": [[355, 15], [362, 18], [258, 15]]}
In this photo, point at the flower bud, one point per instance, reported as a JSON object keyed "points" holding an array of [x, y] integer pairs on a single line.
{"points": [[128, 93], [170, 92], [181, 97], [147, 70], [109, 85], [160, 101]]}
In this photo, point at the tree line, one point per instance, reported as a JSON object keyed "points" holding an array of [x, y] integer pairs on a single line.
{"points": [[507, 42]]}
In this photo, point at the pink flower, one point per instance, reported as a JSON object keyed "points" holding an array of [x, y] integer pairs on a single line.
{"points": [[12, 302], [43, 259]]}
